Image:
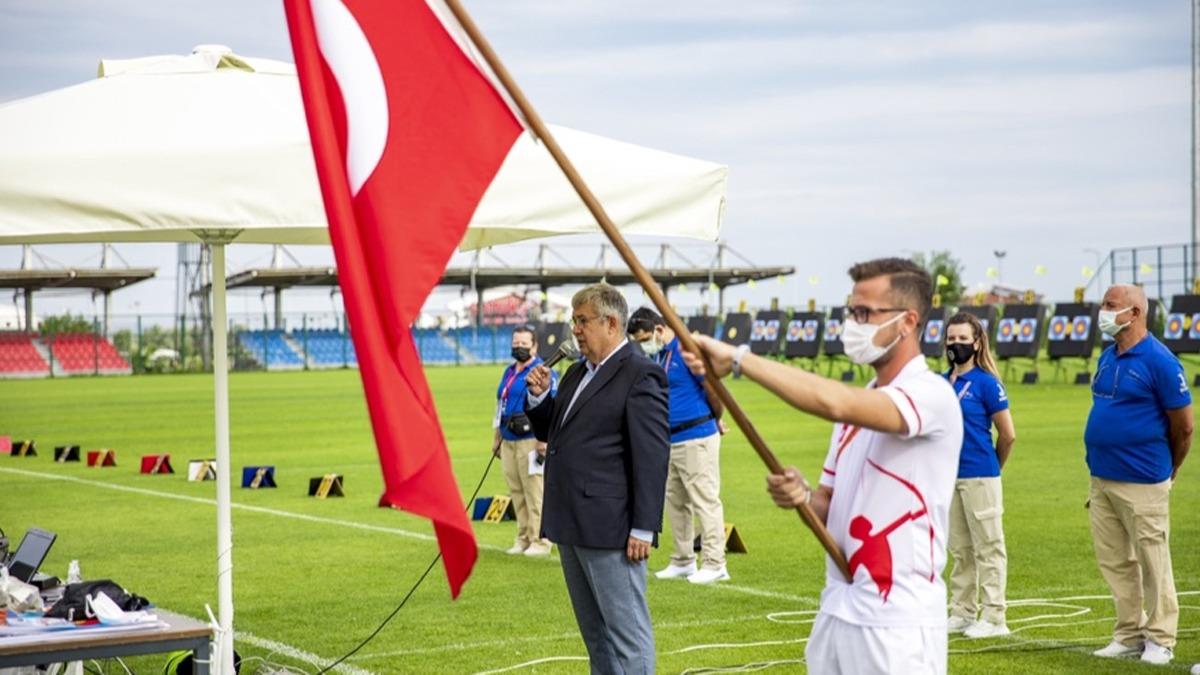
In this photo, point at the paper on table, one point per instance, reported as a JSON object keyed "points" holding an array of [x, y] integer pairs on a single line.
{"points": [[31, 622], [536, 468]]}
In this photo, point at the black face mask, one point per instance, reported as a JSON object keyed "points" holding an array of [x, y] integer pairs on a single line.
{"points": [[521, 354], [960, 353]]}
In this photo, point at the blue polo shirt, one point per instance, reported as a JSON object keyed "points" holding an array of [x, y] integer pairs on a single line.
{"points": [[1126, 434], [512, 401], [980, 395], [687, 399]]}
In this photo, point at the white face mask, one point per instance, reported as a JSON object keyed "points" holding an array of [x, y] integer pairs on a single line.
{"points": [[652, 346], [858, 339], [1107, 320]]}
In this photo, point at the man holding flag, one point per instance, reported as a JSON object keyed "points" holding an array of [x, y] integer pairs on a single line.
{"points": [[887, 480]]}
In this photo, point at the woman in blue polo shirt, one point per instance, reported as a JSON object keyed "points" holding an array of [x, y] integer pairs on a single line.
{"points": [[976, 511]]}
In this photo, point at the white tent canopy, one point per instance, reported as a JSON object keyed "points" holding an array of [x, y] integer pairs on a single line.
{"points": [[214, 147], [161, 147]]}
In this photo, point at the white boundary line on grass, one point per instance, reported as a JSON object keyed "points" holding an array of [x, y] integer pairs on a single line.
{"points": [[1004, 644], [567, 635], [297, 653], [421, 536]]}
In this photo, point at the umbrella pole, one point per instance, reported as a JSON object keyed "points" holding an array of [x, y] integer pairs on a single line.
{"points": [[643, 277], [224, 649]]}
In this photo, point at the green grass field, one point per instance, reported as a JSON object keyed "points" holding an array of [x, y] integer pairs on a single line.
{"points": [[312, 577]]}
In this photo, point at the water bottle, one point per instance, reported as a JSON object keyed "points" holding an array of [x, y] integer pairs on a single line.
{"points": [[73, 576]]}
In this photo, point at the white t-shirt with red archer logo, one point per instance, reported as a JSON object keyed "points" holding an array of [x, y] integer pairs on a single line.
{"points": [[890, 507]]}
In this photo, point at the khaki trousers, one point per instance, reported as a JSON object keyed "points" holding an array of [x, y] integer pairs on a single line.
{"points": [[1131, 525], [525, 490], [977, 545], [694, 493]]}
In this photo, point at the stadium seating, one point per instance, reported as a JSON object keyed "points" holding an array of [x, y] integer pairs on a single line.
{"points": [[485, 345], [436, 347], [19, 357], [330, 347], [326, 346], [85, 353], [270, 348]]}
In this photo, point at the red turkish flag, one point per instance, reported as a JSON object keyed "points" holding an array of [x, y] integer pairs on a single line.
{"points": [[408, 131]]}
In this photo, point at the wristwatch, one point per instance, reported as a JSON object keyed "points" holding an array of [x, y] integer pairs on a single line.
{"points": [[738, 354]]}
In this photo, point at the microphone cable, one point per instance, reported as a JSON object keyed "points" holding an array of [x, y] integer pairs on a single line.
{"points": [[415, 586]]}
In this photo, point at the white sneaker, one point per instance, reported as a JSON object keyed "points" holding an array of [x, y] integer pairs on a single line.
{"points": [[707, 576], [986, 629], [538, 549], [1156, 654], [956, 624], [1116, 649], [676, 571], [516, 549]]}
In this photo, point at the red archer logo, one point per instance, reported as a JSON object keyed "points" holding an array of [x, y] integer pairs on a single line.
{"points": [[875, 554]]}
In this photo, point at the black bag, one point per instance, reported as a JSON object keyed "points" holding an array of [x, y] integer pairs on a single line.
{"points": [[519, 424], [73, 604]]}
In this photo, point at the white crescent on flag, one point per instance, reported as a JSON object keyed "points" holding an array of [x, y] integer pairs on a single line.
{"points": [[348, 54]]}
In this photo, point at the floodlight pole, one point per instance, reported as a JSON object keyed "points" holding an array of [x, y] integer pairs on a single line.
{"points": [[643, 277]]}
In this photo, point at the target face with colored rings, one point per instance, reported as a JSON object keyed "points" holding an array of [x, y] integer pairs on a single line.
{"points": [[1081, 328], [756, 333], [772, 330], [795, 329], [1058, 328], [833, 330], [1027, 330], [933, 331], [1007, 328], [810, 330], [1173, 329]]}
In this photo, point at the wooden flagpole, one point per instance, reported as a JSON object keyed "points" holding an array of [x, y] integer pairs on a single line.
{"points": [[639, 272]]}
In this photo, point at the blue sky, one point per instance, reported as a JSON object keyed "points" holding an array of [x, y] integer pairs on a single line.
{"points": [[852, 129]]}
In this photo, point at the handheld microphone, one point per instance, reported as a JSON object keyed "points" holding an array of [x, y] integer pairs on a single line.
{"points": [[567, 350]]}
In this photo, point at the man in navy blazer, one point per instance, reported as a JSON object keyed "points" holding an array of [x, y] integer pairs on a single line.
{"points": [[608, 445]]}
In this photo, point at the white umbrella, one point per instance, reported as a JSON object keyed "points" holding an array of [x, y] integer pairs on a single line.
{"points": [[213, 147], [164, 148]]}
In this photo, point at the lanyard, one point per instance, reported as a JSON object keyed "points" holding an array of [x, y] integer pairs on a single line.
{"points": [[508, 385]]}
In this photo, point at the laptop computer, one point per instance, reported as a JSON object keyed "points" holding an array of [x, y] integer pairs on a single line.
{"points": [[34, 546]]}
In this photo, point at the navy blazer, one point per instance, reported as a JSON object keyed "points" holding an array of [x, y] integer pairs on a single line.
{"points": [[606, 464]]}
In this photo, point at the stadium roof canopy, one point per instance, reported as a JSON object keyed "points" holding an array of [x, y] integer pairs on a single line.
{"points": [[99, 279], [491, 277]]}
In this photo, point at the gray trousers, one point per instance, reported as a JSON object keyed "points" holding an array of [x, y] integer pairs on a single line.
{"points": [[608, 594]]}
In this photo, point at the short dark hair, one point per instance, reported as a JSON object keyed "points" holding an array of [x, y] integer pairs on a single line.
{"points": [[909, 281], [527, 328], [644, 319]]}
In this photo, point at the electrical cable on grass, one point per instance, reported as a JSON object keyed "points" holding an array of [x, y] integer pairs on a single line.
{"points": [[412, 590]]}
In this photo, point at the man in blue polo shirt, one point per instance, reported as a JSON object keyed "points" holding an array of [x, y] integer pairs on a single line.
{"points": [[521, 455], [1138, 433], [694, 474]]}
